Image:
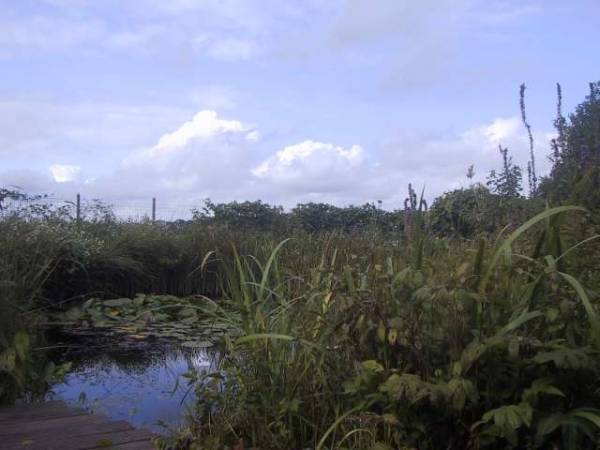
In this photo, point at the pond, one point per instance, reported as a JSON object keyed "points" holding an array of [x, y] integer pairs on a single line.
{"points": [[143, 385]]}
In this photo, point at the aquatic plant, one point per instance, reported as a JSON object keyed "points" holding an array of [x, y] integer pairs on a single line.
{"points": [[493, 346]]}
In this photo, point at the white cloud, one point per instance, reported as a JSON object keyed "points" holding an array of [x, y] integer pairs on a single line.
{"points": [[308, 160], [64, 173], [204, 126], [209, 156], [502, 129], [253, 136], [440, 162], [205, 156]]}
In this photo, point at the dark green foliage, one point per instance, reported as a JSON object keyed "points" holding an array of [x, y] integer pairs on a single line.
{"points": [[308, 217], [366, 329], [318, 217], [24, 372], [531, 172], [28, 257], [507, 183], [476, 349], [474, 211], [244, 216], [576, 154], [463, 212]]}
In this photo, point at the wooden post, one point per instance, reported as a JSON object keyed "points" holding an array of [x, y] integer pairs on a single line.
{"points": [[78, 210], [153, 209]]}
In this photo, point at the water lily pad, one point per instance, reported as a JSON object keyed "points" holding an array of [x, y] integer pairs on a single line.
{"points": [[137, 336], [118, 302]]}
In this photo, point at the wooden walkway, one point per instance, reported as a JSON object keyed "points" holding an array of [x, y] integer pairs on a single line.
{"points": [[55, 426]]}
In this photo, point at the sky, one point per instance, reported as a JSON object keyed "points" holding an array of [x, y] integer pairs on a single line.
{"points": [[287, 101]]}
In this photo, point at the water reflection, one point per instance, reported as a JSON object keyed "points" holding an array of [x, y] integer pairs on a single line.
{"points": [[143, 386]]}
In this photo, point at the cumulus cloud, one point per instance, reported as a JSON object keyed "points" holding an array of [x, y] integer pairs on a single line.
{"points": [[203, 127], [204, 156], [311, 165], [64, 173], [440, 162], [500, 129], [210, 156]]}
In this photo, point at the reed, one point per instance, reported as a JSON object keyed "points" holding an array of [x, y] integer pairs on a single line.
{"points": [[490, 344]]}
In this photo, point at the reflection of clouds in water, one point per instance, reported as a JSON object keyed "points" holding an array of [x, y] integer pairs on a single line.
{"points": [[143, 388]]}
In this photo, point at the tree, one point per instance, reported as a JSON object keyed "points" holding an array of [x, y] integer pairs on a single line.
{"points": [[464, 212], [471, 173], [575, 174], [243, 215], [507, 183]]}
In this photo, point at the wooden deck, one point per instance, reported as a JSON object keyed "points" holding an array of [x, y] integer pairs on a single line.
{"points": [[55, 426]]}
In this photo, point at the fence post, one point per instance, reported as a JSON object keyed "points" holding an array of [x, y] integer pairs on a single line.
{"points": [[78, 210], [153, 209]]}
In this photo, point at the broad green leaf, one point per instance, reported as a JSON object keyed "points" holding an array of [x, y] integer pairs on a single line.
{"points": [[372, 366], [506, 245], [591, 415], [22, 344], [587, 304]]}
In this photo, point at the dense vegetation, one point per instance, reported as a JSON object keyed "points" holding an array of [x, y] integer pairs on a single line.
{"points": [[472, 323]]}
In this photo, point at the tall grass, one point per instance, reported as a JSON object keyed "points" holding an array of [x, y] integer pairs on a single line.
{"points": [[344, 340], [29, 255], [481, 345]]}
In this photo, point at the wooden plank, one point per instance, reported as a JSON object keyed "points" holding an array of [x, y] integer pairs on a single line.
{"points": [[89, 441], [62, 423], [54, 426], [140, 445], [83, 429], [19, 418], [35, 410]]}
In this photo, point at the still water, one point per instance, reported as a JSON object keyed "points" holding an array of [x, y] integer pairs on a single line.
{"points": [[145, 386]]}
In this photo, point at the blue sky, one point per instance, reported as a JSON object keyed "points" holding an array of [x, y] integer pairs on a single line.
{"points": [[344, 101]]}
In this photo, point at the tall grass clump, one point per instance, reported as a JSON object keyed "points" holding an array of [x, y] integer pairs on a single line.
{"points": [[29, 254], [489, 344]]}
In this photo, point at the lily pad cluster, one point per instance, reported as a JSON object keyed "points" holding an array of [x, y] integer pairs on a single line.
{"points": [[184, 320]]}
